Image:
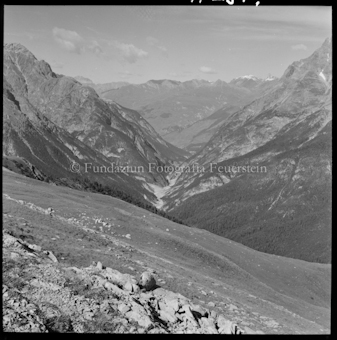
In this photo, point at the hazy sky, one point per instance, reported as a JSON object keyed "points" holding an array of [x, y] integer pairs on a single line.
{"points": [[139, 43]]}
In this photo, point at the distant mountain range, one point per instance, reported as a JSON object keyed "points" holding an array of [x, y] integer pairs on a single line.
{"points": [[285, 210], [101, 88], [179, 110]]}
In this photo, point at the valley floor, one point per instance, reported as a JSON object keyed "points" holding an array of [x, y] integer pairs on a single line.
{"points": [[260, 292]]}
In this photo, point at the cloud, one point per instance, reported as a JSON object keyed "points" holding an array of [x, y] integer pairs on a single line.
{"points": [[155, 43], [208, 70], [152, 41], [129, 52], [71, 41], [55, 64], [299, 47], [95, 48]]}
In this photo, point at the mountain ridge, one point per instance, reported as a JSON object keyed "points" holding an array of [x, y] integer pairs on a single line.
{"points": [[287, 131], [85, 127]]}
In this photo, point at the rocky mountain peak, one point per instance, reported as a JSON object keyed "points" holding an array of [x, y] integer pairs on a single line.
{"points": [[18, 48], [320, 62], [19, 58], [270, 78]]}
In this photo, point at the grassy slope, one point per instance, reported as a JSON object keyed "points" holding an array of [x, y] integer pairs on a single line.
{"points": [[256, 282], [297, 225]]}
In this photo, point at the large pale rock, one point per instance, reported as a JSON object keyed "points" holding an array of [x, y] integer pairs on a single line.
{"points": [[167, 311], [128, 286], [113, 288], [50, 255], [173, 304], [123, 308], [199, 310], [147, 281], [208, 325], [168, 316], [35, 247], [224, 325], [142, 319], [189, 315], [126, 281], [166, 295]]}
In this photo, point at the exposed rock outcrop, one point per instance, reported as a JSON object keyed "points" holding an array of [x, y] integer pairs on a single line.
{"points": [[44, 296]]}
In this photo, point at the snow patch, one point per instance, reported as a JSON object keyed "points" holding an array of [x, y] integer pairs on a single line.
{"points": [[74, 150], [270, 78], [250, 76], [107, 153], [322, 75]]}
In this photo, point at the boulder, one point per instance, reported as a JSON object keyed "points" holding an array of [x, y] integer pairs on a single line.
{"points": [[173, 304], [224, 325], [123, 308], [208, 325], [165, 308], [147, 281], [50, 255], [168, 316], [161, 293], [142, 319], [199, 310], [189, 315], [99, 265], [35, 247], [115, 276], [130, 286], [113, 288]]}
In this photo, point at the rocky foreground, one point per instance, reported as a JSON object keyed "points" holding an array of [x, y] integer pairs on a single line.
{"points": [[42, 295]]}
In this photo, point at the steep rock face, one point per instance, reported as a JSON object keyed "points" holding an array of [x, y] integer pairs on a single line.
{"points": [[41, 149], [304, 89], [79, 110], [283, 209]]}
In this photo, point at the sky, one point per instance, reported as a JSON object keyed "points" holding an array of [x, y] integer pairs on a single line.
{"points": [[137, 43]]}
